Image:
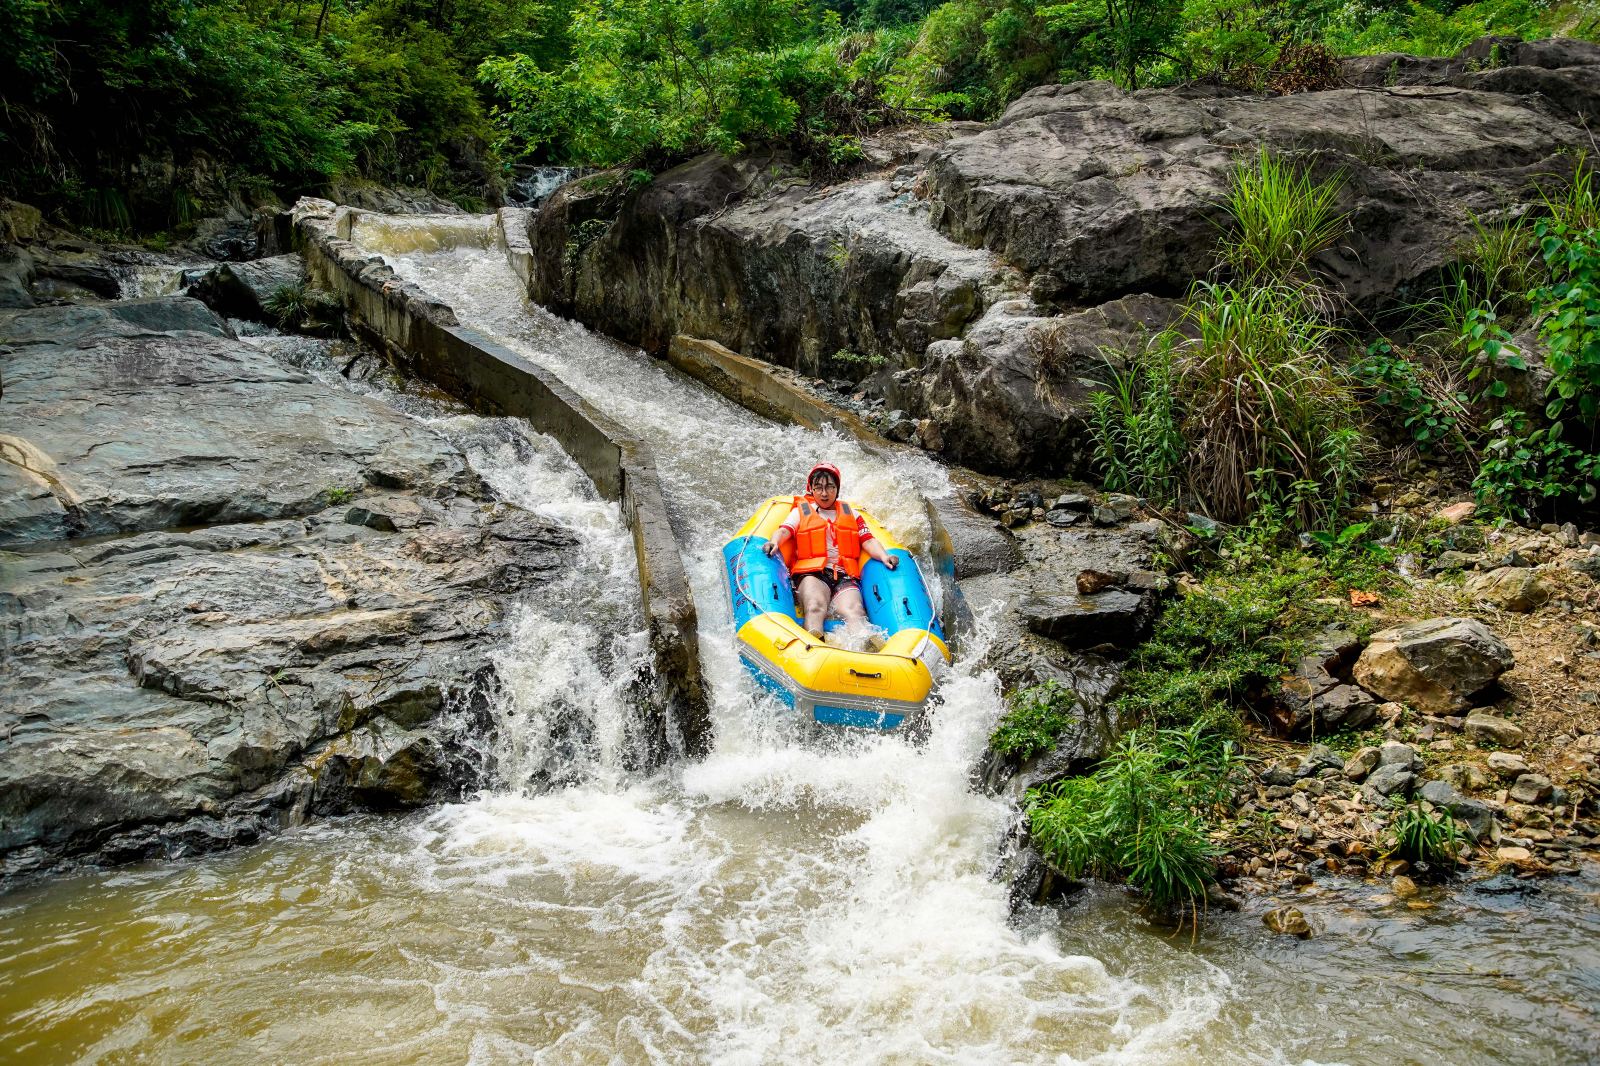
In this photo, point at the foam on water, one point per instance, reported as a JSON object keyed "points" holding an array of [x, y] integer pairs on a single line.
{"points": [[873, 930]]}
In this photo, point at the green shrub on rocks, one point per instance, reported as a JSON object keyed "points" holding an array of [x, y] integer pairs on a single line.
{"points": [[1213, 650], [1144, 816], [1034, 719]]}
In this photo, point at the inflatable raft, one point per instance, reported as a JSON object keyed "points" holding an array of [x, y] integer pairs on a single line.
{"points": [[865, 690]]}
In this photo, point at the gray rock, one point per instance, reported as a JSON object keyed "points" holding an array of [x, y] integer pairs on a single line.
{"points": [[16, 277], [1482, 727], [1587, 565], [1320, 757], [1449, 561], [1475, 815], [242, 290], [228, 656], [1394, 753], [1464, 776], [1076, 502], [1509, 588], [1362, 763], [1012, 394], [1061, 518], [1531, 788], [1388, 781], [1434, 665], [1315, 697], [1111, 617], [1118, 192], [147, 415], [1277, 774], [1505, 765]]}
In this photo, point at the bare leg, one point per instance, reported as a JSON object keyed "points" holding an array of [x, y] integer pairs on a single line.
{"points": [[814, 602], [849, 606]]}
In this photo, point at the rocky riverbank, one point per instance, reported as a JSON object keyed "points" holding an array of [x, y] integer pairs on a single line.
{"points": [[1469, 689], [235, 596]]}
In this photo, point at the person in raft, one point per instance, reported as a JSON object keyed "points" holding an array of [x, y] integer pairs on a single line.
{"points": [[829, 537]]}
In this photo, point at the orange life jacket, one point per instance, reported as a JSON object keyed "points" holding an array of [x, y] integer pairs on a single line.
{"points": [[811, 539]]}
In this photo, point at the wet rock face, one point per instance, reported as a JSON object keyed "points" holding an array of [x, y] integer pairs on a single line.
{"points": [[745, 253], [242, 290], [147, 414], [286, 651]]}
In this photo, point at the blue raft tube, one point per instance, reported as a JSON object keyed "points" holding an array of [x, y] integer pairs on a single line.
{"points": [[879, 690]]}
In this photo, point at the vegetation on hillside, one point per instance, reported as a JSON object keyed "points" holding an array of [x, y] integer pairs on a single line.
{"points": [[1248, 410], [142, 116]]}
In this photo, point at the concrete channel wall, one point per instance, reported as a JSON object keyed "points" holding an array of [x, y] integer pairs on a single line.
{"points": [[425, 337]]}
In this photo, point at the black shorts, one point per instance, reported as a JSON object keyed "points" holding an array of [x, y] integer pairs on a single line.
{"points": [[836, 580]]}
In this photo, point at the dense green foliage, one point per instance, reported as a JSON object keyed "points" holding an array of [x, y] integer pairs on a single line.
{"points": [[1143, 815], [144, 115], [124, 115]]}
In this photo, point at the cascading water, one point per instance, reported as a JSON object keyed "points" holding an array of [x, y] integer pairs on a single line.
{"points": [[783, 899]]}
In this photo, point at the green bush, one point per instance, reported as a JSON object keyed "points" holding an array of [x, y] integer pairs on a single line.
{"points": [[1035, 718], [1433, 411], [1145, 815]]}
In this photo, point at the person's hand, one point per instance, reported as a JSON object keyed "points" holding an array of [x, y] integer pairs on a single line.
{"points": [[892, 562], [770, 547]]}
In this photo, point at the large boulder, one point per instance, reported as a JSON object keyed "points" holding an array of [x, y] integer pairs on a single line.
{"points": [[746, 253], [1012, 394], [289, 592], [1434, 666], [245, 290], [1114, 192], [147, 414]]}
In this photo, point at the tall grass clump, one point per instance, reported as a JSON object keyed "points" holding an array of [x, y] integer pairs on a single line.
{"points": [[1134, 424], [1243, 407], [1143, 816], [1270, 418], [1280, 218], [1418, 836]]}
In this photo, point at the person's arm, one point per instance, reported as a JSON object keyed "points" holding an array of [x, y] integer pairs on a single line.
{"points": [[873, 548], [784, 532]]}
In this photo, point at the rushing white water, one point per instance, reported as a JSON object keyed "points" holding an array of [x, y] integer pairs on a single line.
{"points": [[848, 912]]}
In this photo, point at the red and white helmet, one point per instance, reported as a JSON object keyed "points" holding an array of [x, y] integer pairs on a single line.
{"points": [[825, 468]]}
